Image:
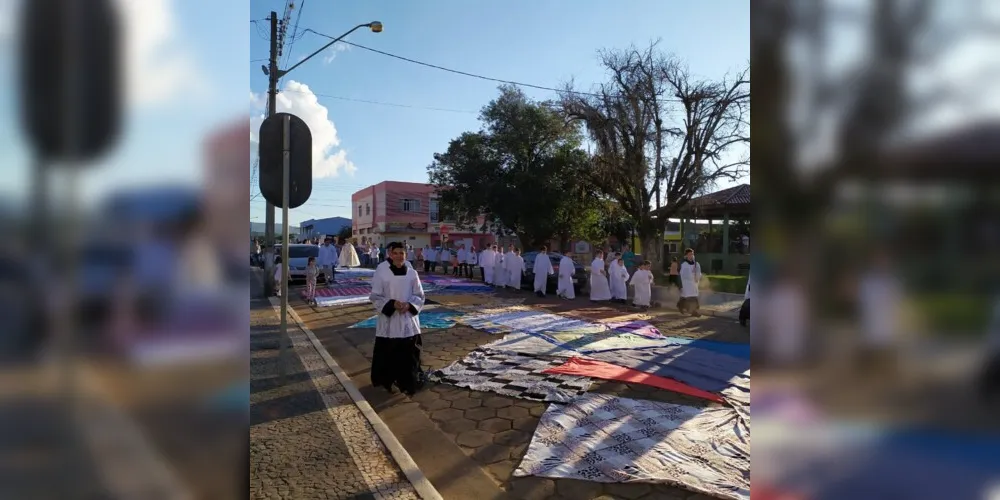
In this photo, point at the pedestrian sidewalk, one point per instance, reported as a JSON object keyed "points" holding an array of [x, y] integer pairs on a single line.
{"points": [[308, 437]]}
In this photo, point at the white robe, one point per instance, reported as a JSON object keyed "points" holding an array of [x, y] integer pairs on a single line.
{"points": [[514, 265], [690, 276], [618, 276], [566, 271], [542, 270], [499, 274], [349, 256], [599, 287], [642, 281], [387, 287], [486, 259]]}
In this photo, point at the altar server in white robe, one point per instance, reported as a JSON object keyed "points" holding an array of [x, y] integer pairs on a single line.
{"points": [[349, 256], [642, 281], [618, 277], [398, 298], [567, 268], [486, 259], [600, 290], [499, 276], [690, 272], [514, 264], [542, 269]]}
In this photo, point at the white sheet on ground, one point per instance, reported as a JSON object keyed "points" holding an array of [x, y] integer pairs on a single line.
{"points": [[604, 438]]}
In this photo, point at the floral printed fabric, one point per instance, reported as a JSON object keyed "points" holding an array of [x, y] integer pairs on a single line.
{"points": [[608, 439]]}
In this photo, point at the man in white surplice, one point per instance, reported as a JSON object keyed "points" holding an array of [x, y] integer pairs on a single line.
{"points": [[398, 298], [542, 269], [514, 266], [499, 276], [486, 265]]}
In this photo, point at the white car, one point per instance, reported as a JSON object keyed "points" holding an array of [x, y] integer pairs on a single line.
{"points": [[298, 259]]}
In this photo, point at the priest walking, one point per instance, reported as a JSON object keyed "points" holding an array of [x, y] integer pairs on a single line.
{"points": [[542, 269], [398, 298]]}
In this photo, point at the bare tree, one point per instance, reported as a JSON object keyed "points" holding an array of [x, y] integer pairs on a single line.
{"points": [[662, 136]]}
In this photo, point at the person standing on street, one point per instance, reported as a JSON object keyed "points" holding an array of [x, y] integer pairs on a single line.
{"points": [[328, 259], [470, 263], [618, 277], [628, 259], [690, 274], [462, 267], [542, 270], [398, 298], [642, 281], [499, 273], [674, 278], [411, 255], [427, 259]]}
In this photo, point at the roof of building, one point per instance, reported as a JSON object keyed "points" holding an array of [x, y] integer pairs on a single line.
{"points": [[734, 196]]}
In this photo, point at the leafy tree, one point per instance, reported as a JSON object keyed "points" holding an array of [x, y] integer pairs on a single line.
{"points": [[662, 136], [524, 173]]}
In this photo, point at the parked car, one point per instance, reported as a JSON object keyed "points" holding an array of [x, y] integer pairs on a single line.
{"points": [[580, 274], [298, 259]]}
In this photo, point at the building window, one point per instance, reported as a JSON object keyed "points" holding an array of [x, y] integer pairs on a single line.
{"points": [[411, 205], [368, 209], [359, 210], [434, 211]]}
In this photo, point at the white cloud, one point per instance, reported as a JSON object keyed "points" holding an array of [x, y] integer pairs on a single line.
{"points": [[296, 98], [160, 66], [332, 52]]}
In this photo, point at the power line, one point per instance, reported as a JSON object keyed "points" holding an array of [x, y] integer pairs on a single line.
{"points": [[455, 71], [381, 103]]}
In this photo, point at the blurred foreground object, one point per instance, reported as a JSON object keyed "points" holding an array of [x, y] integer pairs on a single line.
{"points": [[70, 78], [875, 195]]}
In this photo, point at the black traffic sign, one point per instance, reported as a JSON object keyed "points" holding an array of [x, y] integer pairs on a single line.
{"points": [[70, 78], [271, 149]]}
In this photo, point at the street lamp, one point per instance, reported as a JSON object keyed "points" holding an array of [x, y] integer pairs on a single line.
{"points": [[375, 26]]}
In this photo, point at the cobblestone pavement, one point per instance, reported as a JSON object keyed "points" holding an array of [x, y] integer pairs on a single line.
{"points": [[493, 431], [308, 439]]}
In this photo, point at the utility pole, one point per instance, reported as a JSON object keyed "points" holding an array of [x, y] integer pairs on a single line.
{"points": [[272, 92]]}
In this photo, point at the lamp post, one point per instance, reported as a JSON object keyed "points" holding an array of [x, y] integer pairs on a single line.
{"points": [[274, 74]]}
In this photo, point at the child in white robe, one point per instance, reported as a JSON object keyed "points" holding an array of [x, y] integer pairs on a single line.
{"points": [[618, 278], [642, 281]]}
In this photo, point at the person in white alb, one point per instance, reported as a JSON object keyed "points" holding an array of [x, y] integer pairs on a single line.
{"points": [[542, 269], [618, 278], [600, 290], [567, 268], [411, 255], [499, 276], [642, 281], [398, 298], [514, 265], [486, 258], [690, 272]]}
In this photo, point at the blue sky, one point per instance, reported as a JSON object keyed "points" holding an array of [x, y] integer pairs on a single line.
{"points": [[186, 61], [543, 43]]}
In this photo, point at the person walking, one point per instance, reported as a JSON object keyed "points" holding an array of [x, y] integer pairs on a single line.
{"points": [[328, 258], [674, 278], [690, 274], [600, 290], [542, 270]]}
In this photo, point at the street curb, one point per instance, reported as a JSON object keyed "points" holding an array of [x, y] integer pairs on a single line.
{"points": [[406, 464]]}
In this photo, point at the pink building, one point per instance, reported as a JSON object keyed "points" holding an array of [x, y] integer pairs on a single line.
{"points": [[407, 212]]}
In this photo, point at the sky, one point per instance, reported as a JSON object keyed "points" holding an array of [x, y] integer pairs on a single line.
{"points": [[357, 144], [183, 61]]}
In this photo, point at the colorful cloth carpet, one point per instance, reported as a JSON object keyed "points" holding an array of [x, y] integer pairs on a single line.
{"points": [[573, 334], [583, 367], [512, 375], [608, 439], [429, 320], [342, 291]]}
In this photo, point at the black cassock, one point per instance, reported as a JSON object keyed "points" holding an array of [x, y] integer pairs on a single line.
{"points": [[396, 357]]}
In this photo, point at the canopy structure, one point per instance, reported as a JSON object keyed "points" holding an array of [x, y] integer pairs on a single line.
{"points": [[726, 252]]}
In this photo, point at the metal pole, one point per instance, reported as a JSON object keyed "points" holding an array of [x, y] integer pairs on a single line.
{"points": [[283, 352], [272, 91]]}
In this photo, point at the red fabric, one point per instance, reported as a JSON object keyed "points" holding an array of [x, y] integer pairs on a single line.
{"points": [[599, 369], [768, 493]]}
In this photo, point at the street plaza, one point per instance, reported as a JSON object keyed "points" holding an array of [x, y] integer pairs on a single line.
{"points": [[594, 397]]}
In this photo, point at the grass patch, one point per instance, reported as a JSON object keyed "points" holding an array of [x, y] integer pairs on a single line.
{"points": [[955, 313], [725, 283]]}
